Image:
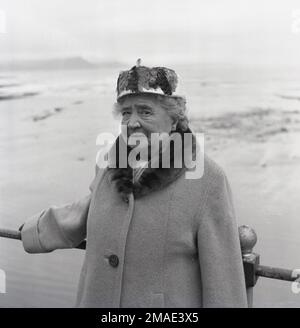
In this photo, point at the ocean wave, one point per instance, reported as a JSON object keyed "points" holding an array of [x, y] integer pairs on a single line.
{"points": [[257, 124], [288, 97], [9, 85], [15, 96]]}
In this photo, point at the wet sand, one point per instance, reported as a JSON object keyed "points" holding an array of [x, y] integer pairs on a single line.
{"points": [[260, 152]]}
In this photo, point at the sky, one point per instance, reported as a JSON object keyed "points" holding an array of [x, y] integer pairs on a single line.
{"points": [[242, 31]]}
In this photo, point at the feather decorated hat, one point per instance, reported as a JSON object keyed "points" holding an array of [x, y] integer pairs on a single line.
{"points": [[141, 79]]}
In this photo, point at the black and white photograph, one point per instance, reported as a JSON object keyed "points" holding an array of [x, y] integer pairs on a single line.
{"points": [[149, 155]]}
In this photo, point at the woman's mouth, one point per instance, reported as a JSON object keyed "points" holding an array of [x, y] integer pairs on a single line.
{"points": [[138, 138]]}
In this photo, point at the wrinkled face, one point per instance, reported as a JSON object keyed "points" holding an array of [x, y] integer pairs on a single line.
{"points": [[144, 114]]}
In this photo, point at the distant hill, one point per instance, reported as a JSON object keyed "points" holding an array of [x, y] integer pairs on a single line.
{"points": [[54, 64]]}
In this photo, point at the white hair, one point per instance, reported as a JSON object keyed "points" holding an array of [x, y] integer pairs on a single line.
{"points": [[175, 107]]}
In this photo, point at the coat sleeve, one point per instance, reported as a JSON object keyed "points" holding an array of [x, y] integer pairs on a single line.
{"points": [[57, 226], [220, 258]]}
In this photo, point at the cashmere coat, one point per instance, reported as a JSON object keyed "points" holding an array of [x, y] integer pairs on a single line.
{"points": [[176, 246]]}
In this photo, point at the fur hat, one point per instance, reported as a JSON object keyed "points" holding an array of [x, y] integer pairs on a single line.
{"points": [[141, 79]]}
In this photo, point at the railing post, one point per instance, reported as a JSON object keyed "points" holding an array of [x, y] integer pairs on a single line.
{"points": [[248, 239]]}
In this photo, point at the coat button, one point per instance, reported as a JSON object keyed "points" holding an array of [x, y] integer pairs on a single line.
{"points": [[113, 260]]}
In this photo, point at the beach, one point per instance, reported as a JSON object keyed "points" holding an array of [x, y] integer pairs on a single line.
{"points": [[49, 122]]}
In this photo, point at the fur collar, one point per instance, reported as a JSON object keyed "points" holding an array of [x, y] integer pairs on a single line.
{"points": [[151, 179]]}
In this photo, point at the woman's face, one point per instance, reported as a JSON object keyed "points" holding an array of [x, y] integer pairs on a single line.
{"points": [[143, 114]]}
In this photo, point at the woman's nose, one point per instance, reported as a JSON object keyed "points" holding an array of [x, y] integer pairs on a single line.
{"points": [[134, 122]]}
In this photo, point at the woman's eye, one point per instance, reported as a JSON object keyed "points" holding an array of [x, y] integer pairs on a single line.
{"points": [[125, 113], [146, 112]]}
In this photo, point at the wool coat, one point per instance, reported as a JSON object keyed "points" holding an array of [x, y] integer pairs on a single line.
{"points": [[175, 246]]}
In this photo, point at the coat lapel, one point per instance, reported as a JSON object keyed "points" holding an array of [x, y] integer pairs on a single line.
{"points": [[149, 179]]}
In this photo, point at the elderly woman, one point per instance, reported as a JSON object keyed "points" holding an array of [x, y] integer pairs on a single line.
{"points": [[155, 238]]}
